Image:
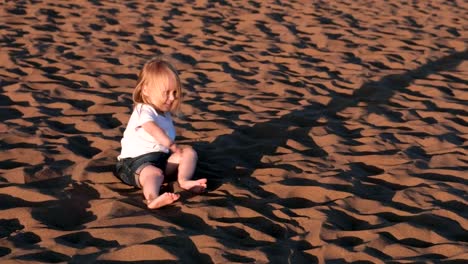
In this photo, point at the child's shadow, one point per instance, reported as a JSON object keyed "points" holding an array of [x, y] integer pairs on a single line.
{"points": [[241, 152]]}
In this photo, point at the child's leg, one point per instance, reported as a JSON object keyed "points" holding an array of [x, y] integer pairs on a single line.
{"points": [[151, 179], [184, 162]]}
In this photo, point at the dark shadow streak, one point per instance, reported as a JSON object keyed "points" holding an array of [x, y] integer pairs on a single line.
{"points": [[272, 134]]}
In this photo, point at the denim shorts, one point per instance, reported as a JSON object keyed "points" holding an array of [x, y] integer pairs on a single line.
{"points": [[128, 169]]}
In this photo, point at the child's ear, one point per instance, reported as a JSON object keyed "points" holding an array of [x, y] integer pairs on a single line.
{"points": [[144, 90]]}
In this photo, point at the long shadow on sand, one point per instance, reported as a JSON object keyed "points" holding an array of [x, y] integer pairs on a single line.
{"points": [[272, 134], [244, 137]]}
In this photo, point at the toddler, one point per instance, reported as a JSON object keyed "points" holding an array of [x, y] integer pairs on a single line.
{"points": [[149, 152]]}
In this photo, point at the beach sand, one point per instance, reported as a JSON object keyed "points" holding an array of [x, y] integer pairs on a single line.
{"points": [[329, 131]]}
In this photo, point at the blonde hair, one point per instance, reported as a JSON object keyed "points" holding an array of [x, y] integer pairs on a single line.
{"points": [[158, 74]]}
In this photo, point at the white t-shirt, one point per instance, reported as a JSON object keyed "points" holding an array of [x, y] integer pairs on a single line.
{"points": [[136, 141]]}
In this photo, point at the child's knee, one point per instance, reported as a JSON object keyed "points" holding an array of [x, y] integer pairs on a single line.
{"points": [[151, 170], [150, 173], [190, 153]]}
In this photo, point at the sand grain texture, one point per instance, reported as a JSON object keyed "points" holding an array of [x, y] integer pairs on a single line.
{"points": [[330, 131]]}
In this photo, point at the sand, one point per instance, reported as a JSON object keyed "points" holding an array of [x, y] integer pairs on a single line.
{"points": [[329, 131]]}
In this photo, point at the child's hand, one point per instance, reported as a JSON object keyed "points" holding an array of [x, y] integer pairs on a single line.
{"points": [[174, 148]]}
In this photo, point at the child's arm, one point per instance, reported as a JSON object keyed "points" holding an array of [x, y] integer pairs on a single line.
{"points": [[158, 133]]}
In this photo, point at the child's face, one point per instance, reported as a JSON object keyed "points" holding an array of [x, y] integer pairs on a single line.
{"points": [[168, 97], [163, 99]]}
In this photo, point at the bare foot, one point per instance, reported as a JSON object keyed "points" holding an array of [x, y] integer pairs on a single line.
{"points": [[196, 186], [162, 200]]}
